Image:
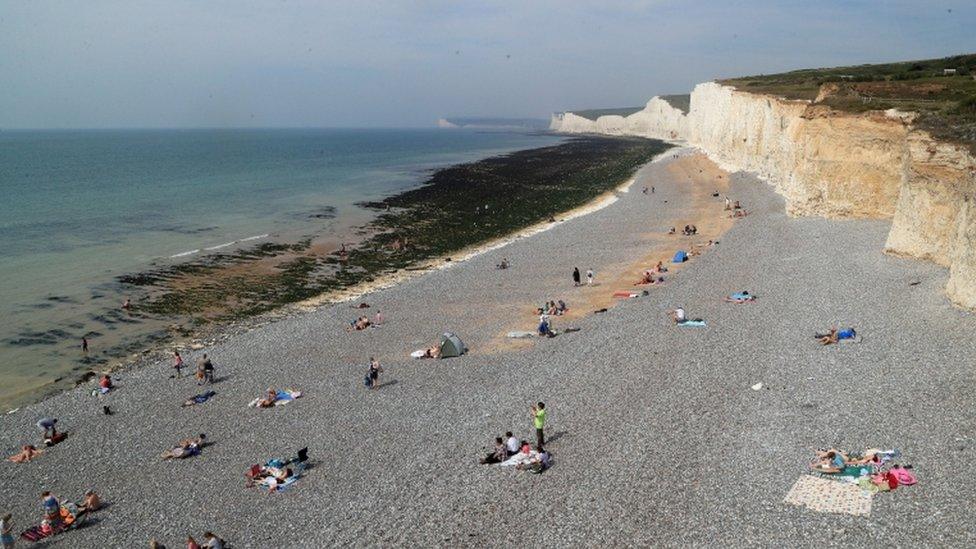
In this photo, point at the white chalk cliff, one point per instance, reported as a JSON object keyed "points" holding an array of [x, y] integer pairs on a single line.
{"points": [[830, 163]]}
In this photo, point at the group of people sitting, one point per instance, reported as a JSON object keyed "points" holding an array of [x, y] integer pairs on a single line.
{"points": [[510, 450], [554, 308], [186, 448], [60, 516], [689, 230], [364, 322], [866, 469], [653, 276], [735, 208], [504, 264]]}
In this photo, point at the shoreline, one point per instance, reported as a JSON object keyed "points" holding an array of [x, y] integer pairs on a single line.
{"points": [[214, 333]]}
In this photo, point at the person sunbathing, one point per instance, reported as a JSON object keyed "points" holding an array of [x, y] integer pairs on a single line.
{"points": [[198, 399], [836, 335], [503, 264], [269, 400], [660, 268], [678, 315], [671, 231], [27, 453], [91, 503], [829, 461], [186, 448], [361, 323], [432, 352], [105, 384], [740, 297], [561, 306]]}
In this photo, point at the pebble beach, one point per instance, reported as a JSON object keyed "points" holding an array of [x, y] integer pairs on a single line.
{"points": [[657, 435]]}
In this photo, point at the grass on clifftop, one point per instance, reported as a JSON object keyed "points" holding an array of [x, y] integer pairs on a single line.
{"points": [[946, 103]]}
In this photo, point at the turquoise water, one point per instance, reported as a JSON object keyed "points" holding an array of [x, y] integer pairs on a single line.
{"points": [[82, 207]]}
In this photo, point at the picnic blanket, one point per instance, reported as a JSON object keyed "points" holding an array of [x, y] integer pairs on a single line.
{"points": [[829, 496]]}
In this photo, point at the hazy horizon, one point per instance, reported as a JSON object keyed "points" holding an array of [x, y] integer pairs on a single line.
{"points": [[304, 64]]}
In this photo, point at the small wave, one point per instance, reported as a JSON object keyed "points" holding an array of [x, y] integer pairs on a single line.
{"points": [[219, 246], [254, 237], [184, 254]]}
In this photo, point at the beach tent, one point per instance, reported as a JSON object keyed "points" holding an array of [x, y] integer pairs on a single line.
{"points": [[680, 257], [451, 346]]}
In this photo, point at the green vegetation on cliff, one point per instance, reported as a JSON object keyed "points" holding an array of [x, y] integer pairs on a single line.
{"points": [[942, 91]]}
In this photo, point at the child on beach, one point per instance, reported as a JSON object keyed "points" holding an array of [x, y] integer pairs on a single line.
{"points": [[589, 277], [497, 455], [178, 364]]}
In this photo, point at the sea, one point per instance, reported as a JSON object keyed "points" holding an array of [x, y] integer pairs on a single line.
{"points": [[81, 207]]}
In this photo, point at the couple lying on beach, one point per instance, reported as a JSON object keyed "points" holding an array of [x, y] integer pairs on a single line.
{"points": [[364, 322], [509, 451], [278, 474], [186, 448]]}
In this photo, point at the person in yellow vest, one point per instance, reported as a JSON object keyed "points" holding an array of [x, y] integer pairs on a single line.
{"points": [[539, 419]]}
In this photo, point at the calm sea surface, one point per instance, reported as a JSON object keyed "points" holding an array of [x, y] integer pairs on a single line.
{"points": [[79, 208]]}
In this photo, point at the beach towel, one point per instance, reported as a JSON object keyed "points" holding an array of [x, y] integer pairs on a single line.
{"points": [[518, 335], [281, 398], [697, 323], [625, 294], [203, 397], [829, 496]]}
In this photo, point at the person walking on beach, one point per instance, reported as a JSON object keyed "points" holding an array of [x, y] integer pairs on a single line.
{"points": [[84, 344], [589, 277], [539, 420], [576, 276], [178, 364], [7, 531], [374, 373], [205, 370], [208, 371], [378, 320]]}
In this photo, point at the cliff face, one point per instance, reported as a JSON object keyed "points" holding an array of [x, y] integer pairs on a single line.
{"points": [[830, 163], [823, 164]]}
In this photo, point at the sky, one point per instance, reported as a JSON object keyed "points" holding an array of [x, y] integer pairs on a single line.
{"points": [[366, 63]]}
